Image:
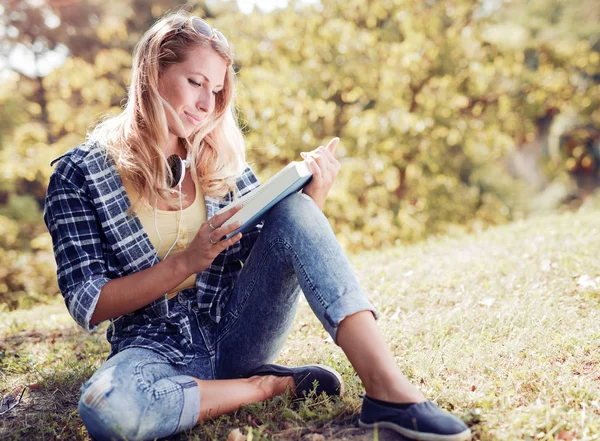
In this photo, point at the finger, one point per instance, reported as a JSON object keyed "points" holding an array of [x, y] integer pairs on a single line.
{"points": [[323, 162], [223, 231], [220, 219], [211, 239], [332, 145], [314, 167], [320, 151], [327, 160], [227, 243], [328, 173], [329, 155], [315, 152], [312, 152]]}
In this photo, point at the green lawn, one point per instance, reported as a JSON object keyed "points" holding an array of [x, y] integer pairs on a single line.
{"points": [[500, 327]]}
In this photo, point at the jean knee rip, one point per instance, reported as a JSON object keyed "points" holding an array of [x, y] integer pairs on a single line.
{"points": [[95, 391]]}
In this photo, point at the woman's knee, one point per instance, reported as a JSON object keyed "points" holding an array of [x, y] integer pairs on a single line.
{"points": [[108, 412], [298, 215], [144, 400]]}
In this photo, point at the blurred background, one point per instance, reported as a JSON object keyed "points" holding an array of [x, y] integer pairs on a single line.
{"points": [[454, 115]]}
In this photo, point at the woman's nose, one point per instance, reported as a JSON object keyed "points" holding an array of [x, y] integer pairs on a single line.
{"points": [[204, 101]]}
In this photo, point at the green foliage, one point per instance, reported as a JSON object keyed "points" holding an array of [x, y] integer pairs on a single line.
{"points": [[430, 99], [27, 274], [427, 98]]}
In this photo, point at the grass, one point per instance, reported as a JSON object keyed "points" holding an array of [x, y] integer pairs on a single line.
{"points": [[501, 327]]}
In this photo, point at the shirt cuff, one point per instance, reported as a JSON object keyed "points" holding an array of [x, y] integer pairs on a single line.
{"points": [[84, 300]]}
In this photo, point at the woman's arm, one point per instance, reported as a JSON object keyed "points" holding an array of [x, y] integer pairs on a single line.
{"points": [[90, 294], [129, 293]]}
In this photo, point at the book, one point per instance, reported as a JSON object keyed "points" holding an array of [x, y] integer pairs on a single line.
{"points": [[290, 179]]}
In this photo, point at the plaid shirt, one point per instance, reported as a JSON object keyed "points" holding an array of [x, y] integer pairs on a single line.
{"points": [[95, 240]]}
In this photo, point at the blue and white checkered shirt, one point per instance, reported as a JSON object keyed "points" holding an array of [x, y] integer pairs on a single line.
{"points": [[96, 240]]}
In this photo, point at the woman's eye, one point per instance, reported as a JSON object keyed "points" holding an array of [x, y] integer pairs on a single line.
{"points": [[216, 92], [193, 83]]}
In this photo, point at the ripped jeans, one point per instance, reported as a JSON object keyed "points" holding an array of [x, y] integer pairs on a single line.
{"points": [[138, 394]]}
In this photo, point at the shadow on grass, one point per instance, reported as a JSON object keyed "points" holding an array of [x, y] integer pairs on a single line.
{"points": [[51, 364], [48, 410]]}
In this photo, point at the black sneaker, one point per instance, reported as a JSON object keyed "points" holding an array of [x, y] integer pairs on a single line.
{"points": [[421, 421], [328, 379]]}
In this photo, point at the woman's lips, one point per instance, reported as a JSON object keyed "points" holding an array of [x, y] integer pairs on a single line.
{"points": [[195, 120]]}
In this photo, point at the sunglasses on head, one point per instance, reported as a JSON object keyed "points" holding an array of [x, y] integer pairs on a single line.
{"points": [[204, 29]]}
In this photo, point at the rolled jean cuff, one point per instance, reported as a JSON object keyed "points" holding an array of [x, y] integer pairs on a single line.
{"points": [[343, 307], [190, 411]]}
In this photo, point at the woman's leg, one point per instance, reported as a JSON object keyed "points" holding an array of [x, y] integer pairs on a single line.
{"points": [[362, 342], [139, 395], [297, 244], [296, 249], [225, 396]]}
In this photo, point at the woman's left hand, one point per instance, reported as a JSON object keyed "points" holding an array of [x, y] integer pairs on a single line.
{"points": [[325, 168]]}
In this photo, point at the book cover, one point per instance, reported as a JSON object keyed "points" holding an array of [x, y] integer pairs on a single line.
{"points": [[258, 202]]}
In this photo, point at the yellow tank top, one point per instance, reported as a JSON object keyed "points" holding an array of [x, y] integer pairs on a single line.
{"points": [[166, 223]]}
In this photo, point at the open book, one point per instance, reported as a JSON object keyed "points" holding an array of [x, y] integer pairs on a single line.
{"points": [[258, 202]]}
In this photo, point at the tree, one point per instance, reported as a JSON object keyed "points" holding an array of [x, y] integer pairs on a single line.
{"points": [[430, 99], [426, 101], [43, 114]]}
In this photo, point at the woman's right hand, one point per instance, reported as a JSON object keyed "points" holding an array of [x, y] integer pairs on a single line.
{"points": [[206, 246], [126, 294]]}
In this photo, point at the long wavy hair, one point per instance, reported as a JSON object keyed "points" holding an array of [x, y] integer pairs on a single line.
{"points": [[135, 138]]}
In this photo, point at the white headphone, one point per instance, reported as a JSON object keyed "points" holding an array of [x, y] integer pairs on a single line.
{"points": [[178, 167]]}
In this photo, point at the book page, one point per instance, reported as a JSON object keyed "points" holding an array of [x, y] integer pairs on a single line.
{"points": [[247, 198]]}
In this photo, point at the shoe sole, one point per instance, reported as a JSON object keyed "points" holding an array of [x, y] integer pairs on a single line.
{"points": [[331, 371], [421, 436]]}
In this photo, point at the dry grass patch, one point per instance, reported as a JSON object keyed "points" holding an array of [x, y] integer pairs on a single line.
{"points": [[499, 327]]}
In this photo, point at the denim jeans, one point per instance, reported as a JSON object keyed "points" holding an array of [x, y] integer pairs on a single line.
{"points": [[138, 394]]}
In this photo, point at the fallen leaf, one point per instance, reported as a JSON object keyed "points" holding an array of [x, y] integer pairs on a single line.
{"points": [[314, 437], [236, 435], [488, 301], [565, 435], [546, 265], [585, 282]]}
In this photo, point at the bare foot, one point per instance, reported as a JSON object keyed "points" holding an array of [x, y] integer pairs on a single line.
{"points": [[400, 391], [272, 385]]}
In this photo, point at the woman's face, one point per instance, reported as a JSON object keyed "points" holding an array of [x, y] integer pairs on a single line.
{"points": [[190, 88]]}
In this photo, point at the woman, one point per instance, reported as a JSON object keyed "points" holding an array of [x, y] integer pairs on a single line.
{"points": [[192, 335]]}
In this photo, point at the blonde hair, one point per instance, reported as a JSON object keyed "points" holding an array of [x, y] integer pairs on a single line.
{"points": [[134, 138]]}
